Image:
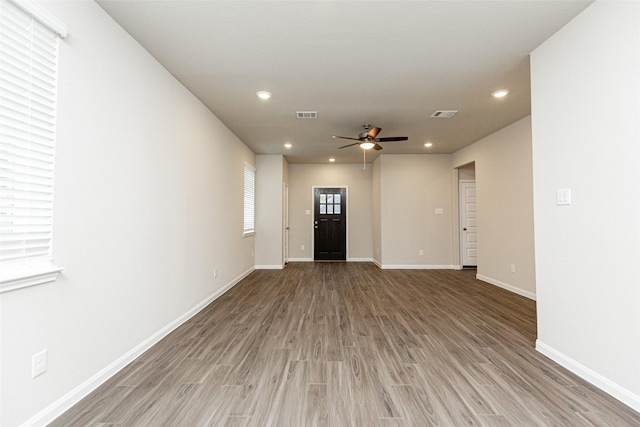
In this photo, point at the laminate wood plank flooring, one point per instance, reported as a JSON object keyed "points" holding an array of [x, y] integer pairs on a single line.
{"points": [[348, 344]]}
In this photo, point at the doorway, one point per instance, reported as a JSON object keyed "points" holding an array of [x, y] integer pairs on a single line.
{"points": [[285, 221], [330, 224], [468, 233]]}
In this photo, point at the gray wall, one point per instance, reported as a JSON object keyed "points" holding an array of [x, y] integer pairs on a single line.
{"points": [[412, 187], [149, 201], [302, 178], [586, 132], [270, 179], [504, 188]]}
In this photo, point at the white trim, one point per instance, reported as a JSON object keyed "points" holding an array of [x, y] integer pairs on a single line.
{"points": [[30, 279], [300, 259], [41, 15], [359, 259], [460, 213], [248, 203], [507, 286], [415, 267], [377, 263], [269, 267], [63, 404], [622, 394]]}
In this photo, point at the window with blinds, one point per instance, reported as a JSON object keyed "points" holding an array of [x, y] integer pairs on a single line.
{"points": [[249, 199], [28, 82]]}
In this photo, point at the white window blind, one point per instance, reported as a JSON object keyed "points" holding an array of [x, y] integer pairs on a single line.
{"points": [[249, 199], [28, 83]]}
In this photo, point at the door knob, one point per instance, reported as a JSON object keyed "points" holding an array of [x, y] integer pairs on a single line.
{"points": [[464, 229]]}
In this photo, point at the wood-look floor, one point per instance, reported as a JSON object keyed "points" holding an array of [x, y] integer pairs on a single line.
{"points": [[348, 344]]}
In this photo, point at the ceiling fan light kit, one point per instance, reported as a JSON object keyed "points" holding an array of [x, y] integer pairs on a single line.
{"points": [[369, 138]]}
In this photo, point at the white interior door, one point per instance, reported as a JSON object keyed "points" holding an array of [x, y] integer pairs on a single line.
{"points": [[468, 235], [285, 238]]}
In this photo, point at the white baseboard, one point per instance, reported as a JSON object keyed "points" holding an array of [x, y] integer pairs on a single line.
{"points": [[63, 404], [415, 267], [348, 260], [269, 267], [507, 286], [622, 394]]}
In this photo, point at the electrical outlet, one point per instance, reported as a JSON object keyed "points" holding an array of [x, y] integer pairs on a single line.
{"points": [[39, 363], [421, 252], [513, 268], [302, 247], [215, 273]]}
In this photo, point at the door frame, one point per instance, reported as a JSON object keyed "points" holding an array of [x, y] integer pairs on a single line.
{"points": [[313, 218], [460, 220], [285, 224]]}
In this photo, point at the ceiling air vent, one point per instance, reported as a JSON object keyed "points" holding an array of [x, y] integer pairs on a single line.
{"points": [[443, 114], [307, 114]]}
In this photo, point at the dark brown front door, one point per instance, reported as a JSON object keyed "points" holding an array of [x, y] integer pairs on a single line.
{"points": [[330, 224]]}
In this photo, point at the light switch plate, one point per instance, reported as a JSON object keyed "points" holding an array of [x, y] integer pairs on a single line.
{"points": [[439, 211], [563, 196]]}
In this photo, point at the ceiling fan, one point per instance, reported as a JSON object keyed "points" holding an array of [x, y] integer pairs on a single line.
{"points": [[368, 139]]}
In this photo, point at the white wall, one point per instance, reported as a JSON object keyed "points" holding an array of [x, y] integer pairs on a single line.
{"points": [[269, 211], [376, 212], [148, 202], [503, 171], [586, 133], [411, 188], [302, 178]]}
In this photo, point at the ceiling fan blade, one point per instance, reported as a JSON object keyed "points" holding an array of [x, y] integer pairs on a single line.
{"points": [[373, 132], [377, 147], [345, 137], [392, 139], [350, 145]]}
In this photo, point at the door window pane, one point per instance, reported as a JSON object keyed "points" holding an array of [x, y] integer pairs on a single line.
{"points": [[323, 209]]}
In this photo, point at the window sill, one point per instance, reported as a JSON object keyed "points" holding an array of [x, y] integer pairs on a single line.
{"points": [[26, 279], [248, 233]]}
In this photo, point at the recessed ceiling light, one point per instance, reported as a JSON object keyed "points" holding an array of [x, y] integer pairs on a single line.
{"points": [[287, 145], [500, 93], [263, 94], [332, 160], [428, 144]]}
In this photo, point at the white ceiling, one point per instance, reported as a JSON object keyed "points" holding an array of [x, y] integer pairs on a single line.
{"points": [[387, 63]]}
